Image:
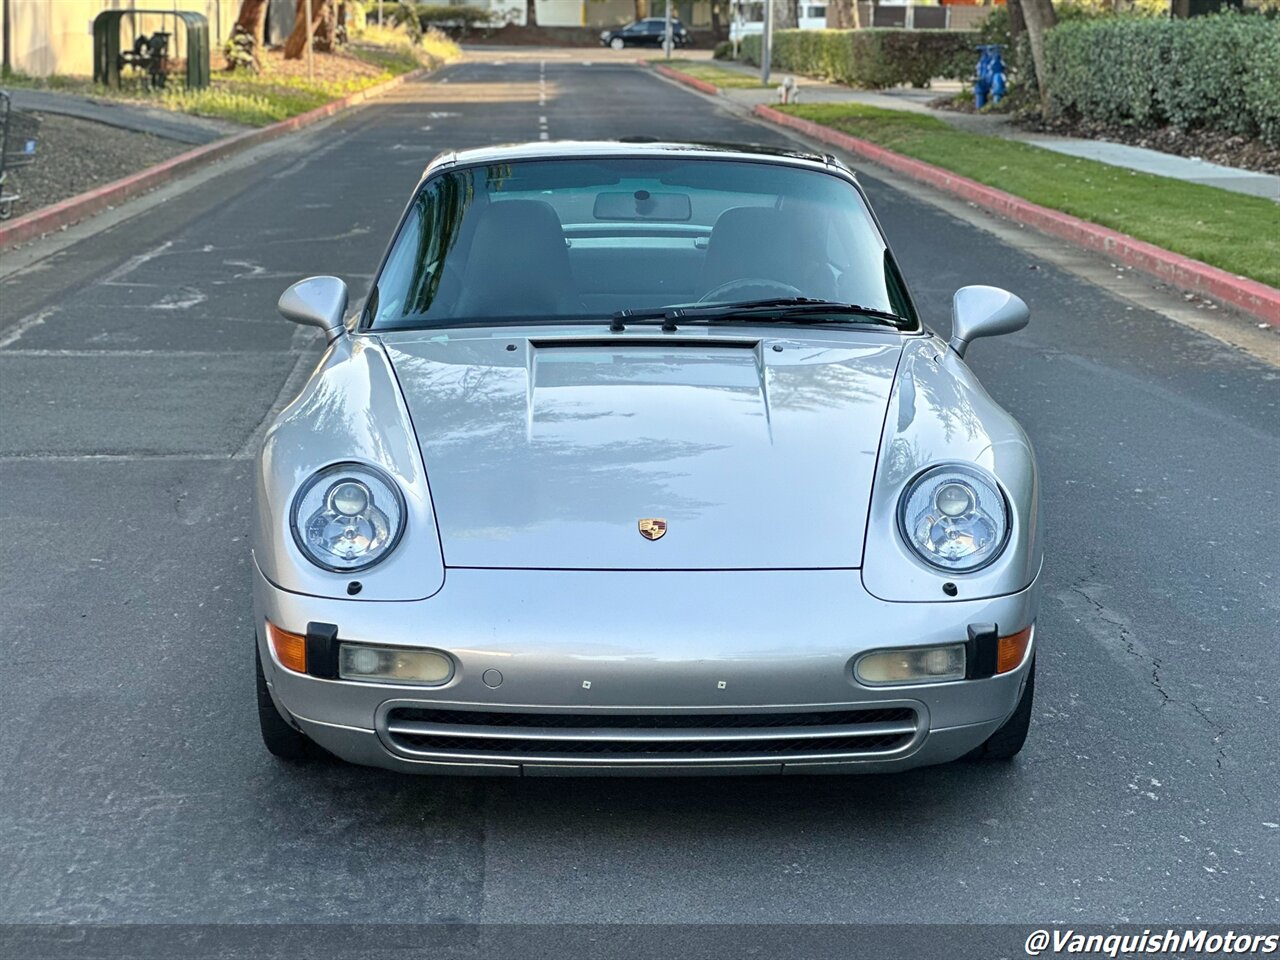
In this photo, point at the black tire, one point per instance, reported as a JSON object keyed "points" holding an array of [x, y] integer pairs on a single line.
{"points": [[1006, 743], [281, 739]]}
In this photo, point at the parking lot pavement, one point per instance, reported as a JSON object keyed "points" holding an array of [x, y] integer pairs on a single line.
{"points": [[137, 365]]}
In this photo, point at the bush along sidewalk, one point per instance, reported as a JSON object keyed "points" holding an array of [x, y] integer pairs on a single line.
{"points": [[1218, 72], [1232, 231], [872, 59]]}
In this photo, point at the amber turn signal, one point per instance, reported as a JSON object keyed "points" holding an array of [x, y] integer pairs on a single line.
{"points": [[1011, 650], [290, 648]]}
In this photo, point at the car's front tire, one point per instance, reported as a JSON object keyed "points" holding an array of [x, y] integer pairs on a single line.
{"points": [[617, 43], [1007, 742], [280, 739]]}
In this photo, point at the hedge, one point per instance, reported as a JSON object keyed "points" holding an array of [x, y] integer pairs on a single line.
{"points": [[422, 16], [1219, 73], [874, 58]]}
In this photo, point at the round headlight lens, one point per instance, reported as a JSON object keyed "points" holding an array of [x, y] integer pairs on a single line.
{"points": [[954, 499], [954, 518], [347, 517], [349, 498]]}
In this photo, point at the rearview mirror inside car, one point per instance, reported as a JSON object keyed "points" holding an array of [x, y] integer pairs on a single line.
{"points": [[980, 311], [642, 205]]}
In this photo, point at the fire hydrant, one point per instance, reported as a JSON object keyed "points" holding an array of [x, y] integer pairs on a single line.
{"points": [[789, 91], [989, 79]]}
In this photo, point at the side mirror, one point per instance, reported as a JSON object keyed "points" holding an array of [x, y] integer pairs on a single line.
{"points": [[317, 302], [984, 312]]}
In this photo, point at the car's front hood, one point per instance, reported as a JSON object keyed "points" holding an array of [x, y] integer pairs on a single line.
{"points": [[547, 452]]}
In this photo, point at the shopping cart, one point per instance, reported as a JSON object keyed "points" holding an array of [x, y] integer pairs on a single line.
{"points": [[18, 134]]}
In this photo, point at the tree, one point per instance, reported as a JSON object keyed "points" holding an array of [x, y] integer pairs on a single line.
{"points": [[1017, 26], [718, 31], [530, 13], [843, 15], [321, 28], [786, 14], [1039, 17], [253, 20], [325, 33]]}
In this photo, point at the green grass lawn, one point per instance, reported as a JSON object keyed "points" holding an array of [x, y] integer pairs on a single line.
{"points": [[259, 99], [730, 79], [1233, 231]]}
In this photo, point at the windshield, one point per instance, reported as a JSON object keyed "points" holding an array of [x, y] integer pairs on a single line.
{"points": [[571, 240]]}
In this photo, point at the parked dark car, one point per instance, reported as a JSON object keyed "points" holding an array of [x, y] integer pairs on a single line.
{"points": [[645, 33]]}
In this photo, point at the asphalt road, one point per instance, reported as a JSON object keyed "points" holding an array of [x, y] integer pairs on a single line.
{"points": [[136, 367]]}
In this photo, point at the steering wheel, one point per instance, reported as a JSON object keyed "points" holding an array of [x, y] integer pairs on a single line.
{"points": [[735, 290]]}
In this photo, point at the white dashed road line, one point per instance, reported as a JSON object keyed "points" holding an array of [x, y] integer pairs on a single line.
{"points": [[543, 133]]}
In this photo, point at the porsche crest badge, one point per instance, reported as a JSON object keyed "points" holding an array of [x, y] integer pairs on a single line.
{"points": [[652, 528]]}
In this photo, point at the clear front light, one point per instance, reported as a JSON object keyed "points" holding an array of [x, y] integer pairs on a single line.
{"points": [[347, 517], [911, 665], [393, 665], [954, 518]]}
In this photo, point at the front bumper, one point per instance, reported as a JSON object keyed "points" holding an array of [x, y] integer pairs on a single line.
{"points": [[714, 645]]}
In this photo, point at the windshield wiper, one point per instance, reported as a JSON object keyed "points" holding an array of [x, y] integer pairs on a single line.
{"points": [[807, 310]]}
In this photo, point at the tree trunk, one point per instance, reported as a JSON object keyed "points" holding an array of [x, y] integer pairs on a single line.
{"points": [[1040, 17], [530, 13], [786, 14], [296, 45], [715, 21], [1017, 26], [325, 30], [844, 15], [253, 19]]}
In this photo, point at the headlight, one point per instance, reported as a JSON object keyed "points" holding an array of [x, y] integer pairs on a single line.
{"points": [[393, 665], [954, 518], [911, 665], [347, 517]]}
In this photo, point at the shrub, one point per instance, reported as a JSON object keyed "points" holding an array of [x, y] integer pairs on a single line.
{"points": [[356, 16], [996, 28], [442, 15], [438, 47], [872, 59], [418, 18], [723, 50], [1218, 72], [395, 50], [404, 15]]}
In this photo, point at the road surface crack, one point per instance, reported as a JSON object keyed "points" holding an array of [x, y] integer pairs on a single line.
{"points": [[1085, 588]]}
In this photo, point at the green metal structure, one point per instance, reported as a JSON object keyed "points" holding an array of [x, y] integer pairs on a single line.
{"points": [[108, 58]]}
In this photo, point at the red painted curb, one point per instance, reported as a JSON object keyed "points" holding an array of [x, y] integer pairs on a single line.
{"points": [[687, 80], [74, 209], [1251, 296]]}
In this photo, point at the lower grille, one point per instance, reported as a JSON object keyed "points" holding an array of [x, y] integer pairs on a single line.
{"points": [[622, 738]]}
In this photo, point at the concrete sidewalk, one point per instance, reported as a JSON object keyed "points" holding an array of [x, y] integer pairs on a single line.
{"points": [[914, 100], [127, 116]]}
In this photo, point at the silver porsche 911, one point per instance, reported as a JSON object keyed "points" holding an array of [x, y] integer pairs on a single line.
{"points": [[637, 459]]}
